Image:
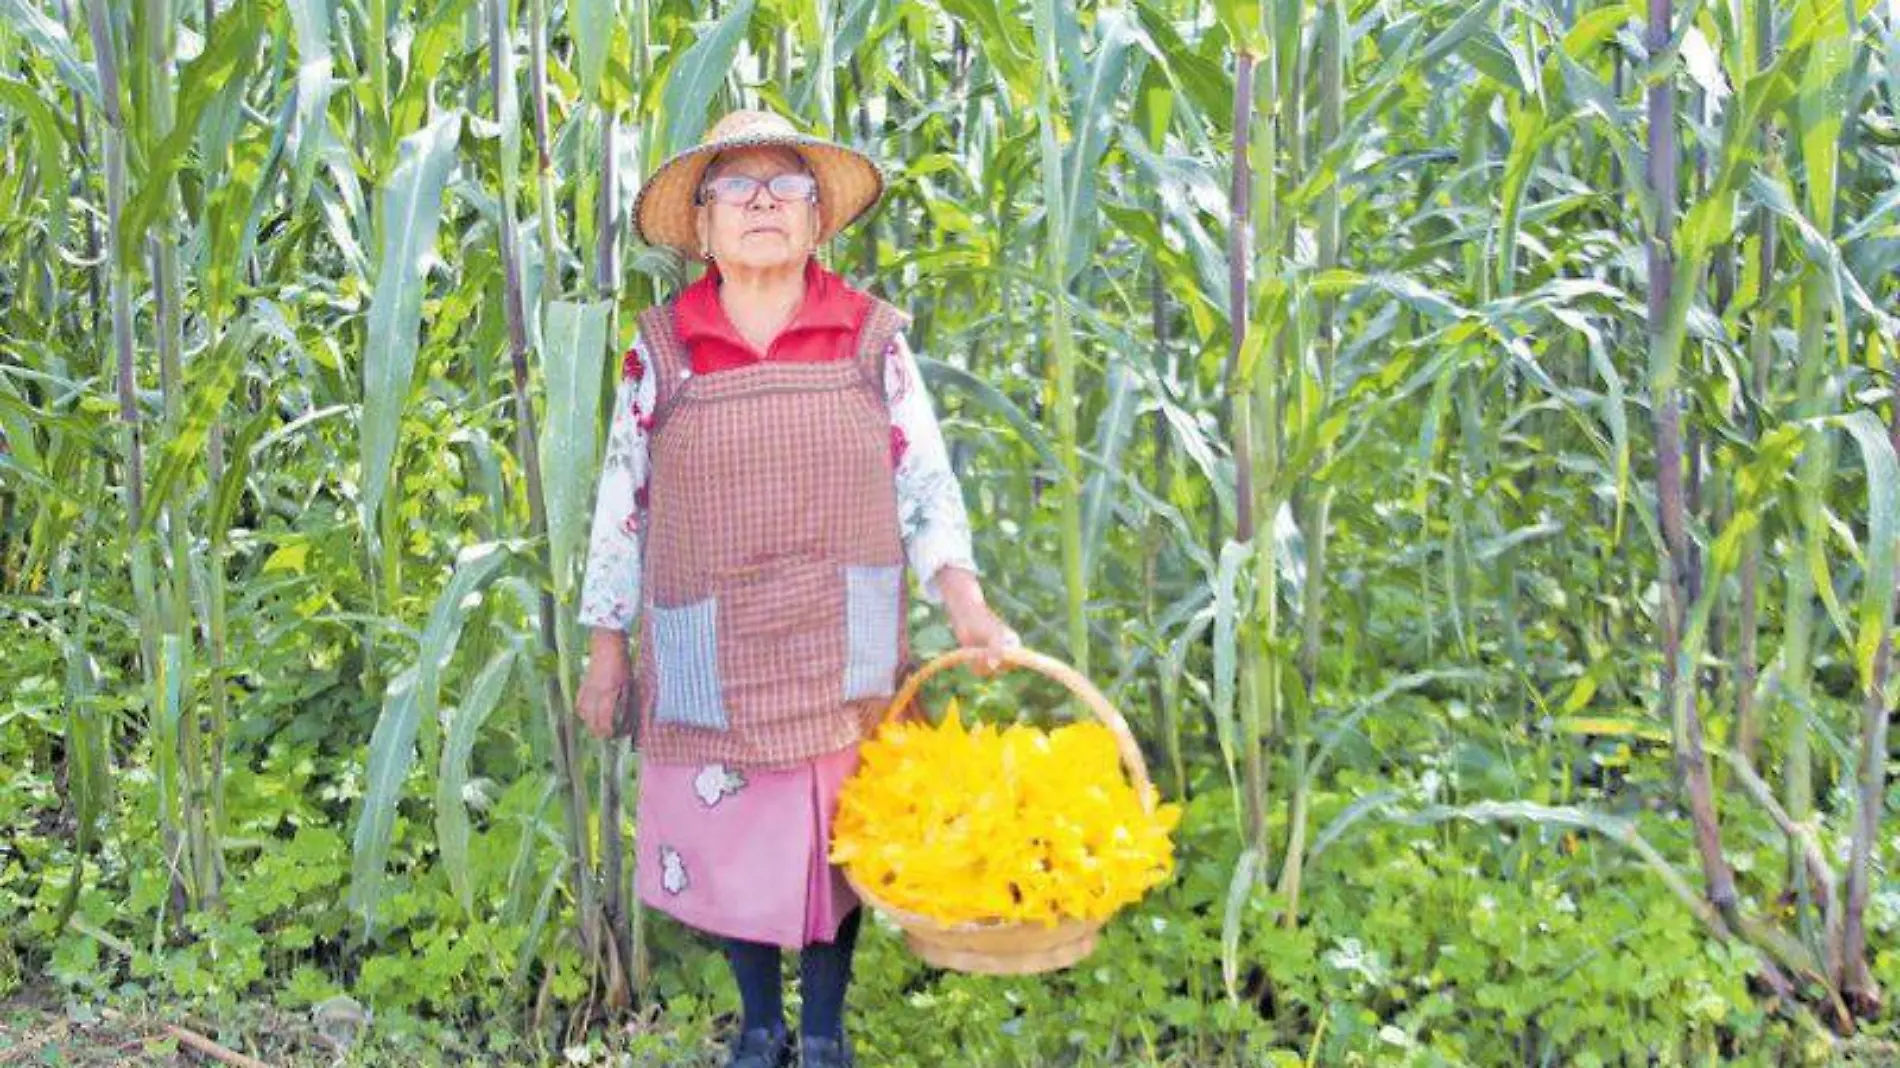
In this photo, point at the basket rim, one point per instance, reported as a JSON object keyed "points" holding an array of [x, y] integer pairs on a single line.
{"points": [[1079, 687]]}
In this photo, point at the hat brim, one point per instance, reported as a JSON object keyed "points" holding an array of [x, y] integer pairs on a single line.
{"points": [[849, 183]]}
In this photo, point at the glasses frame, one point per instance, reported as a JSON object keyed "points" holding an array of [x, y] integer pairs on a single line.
{"points": [[706, 195]]}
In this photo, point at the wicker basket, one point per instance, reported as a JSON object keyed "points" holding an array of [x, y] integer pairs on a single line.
{"points": [[1009, 948]]}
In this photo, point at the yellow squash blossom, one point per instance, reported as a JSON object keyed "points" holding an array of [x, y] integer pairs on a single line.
{"points": [[966, 824]]}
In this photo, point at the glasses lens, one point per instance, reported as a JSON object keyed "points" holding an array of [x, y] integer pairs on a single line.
{"points": [[734, 189], [794, 187]]}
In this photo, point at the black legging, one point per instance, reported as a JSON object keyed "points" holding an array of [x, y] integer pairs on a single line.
{"points": [[824, 970]]}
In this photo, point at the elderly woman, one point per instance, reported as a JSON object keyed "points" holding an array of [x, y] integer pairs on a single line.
{"points": [[773, 464]]}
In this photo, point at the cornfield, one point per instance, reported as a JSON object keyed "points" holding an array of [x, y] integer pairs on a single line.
{"points": [[1462, 434]]}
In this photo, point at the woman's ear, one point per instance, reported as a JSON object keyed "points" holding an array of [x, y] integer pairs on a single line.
{"points": [[702, 228]]}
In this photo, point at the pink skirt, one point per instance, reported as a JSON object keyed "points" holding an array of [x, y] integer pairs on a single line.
{"points": [[744, 853]]}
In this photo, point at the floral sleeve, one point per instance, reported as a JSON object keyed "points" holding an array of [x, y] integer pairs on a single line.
{"points": [[610, 592], [929, 498]]}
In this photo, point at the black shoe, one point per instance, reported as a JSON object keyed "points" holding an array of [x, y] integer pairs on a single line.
{"points": [[824, 1053], [762, 1047]]}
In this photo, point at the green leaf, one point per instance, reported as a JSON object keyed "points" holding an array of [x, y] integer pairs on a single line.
{"points": [[51, 38], [845, 40], [1111, 434], [172, 683], [1199, 85], [409, 699], [1475, 19], [1252, 347], [1726, 554], [939, 375], [1488, 549], [233, 49], [20, 99], [1487, 51], [244, 174], [1240, 890], [1244, 25], [1529, 134], [169, 693], [88, 745], [1594, 27], [1234, 555], [1822, 105], [592, 27], [1823, 253], [208, 385], [1615, 420], [451, 812], [28, 474], [1883, 535], [391, 751], [288, 557], [311, 18], [698, 74], [1002, 37], [412, 208], [1704, 67], [1093, 115], [575, 342]]}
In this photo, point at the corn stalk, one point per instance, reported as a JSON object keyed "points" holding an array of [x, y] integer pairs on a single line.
{"points": [[131, 443], [1761, 348], [1329, 54], [1679, 690], [1062, 357], [1255, 690], [568, 780], [1857, 980]]}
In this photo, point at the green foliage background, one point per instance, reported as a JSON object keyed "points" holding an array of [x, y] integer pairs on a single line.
{"points": [[1311, 369]]}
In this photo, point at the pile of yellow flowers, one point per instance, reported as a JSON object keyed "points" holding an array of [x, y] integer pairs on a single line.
{"points": [[1018, 824]]}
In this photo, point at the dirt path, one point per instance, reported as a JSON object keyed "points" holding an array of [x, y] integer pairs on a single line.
{"points": [[38, 1028]]}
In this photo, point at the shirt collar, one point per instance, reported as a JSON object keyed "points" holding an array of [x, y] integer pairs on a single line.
{"points": [[830, 304]]}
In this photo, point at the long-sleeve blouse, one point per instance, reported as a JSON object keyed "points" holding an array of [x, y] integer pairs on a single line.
{"points": [[931, 512]]}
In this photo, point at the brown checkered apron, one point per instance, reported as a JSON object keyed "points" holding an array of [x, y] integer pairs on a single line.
{"points": [[773, 603]]}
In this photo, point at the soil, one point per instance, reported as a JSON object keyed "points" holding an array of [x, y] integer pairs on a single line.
{"points": [[41, 1027]]}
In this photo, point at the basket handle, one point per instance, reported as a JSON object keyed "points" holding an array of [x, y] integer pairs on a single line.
{"points": [[1048, 666]]}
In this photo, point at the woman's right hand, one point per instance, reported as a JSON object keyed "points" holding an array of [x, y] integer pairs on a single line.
{"points": [[608, 671]]}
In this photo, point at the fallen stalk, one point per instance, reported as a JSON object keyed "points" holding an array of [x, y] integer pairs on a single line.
{"points": [[198, 1042]]}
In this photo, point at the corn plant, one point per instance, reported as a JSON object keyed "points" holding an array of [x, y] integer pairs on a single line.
{"points": [[1471, 418]]}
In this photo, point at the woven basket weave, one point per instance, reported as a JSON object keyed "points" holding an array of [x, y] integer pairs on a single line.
{"points": [[999, 947]]}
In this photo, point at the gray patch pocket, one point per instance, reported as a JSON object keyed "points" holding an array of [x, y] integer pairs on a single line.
{"points": [[686, 659], [873, 599]]}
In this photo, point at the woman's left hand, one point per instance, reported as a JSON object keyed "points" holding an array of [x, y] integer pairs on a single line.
{"points": [[972, 621]]}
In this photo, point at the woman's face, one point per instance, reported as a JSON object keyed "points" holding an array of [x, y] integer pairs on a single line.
{"points": [[764, 233]]}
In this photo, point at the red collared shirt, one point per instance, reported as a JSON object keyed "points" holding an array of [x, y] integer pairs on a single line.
{"points": [[823, 328]]}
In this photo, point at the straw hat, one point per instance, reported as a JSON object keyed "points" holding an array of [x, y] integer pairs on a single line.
{"points": [[849, 182]]}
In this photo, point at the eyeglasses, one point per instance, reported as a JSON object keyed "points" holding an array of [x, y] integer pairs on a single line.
{"points": [[738, 190]]}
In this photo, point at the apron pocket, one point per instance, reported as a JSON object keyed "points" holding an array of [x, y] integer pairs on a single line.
{"points": [[686, 659], [873, 598]]}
